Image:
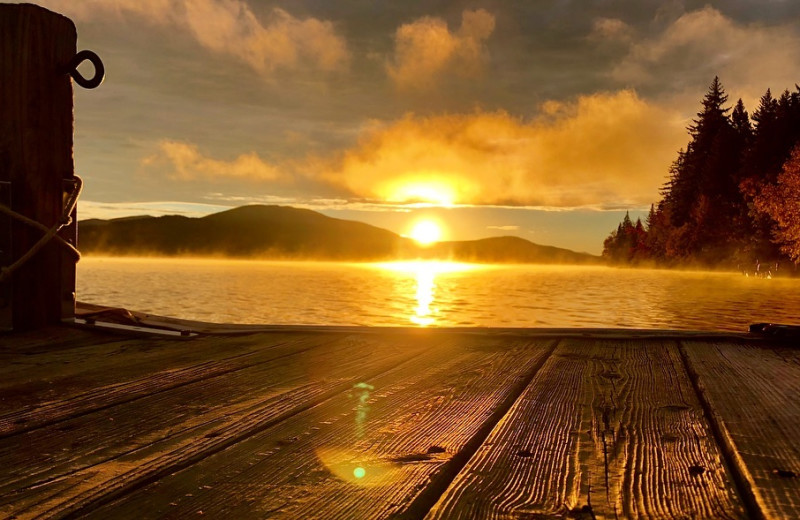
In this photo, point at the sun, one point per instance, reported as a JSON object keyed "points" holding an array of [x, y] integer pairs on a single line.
{"points": [[426, 232]]}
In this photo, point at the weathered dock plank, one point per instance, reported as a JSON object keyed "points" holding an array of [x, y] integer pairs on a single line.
{"points": [[607, 429], [368, 423], [144, 409], [49, 339], [45, 375], [365, 453], [259, 351], [753, 398], [58, 469]]}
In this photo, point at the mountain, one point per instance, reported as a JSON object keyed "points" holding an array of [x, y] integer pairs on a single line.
{"points": [[281, 232]]}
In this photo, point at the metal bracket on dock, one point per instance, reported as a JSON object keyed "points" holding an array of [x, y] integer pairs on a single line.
{"points": [[99, 69], [135, 329], [6, 288]]}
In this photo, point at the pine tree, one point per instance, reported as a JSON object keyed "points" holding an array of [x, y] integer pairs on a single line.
{"points": [[707, 172], [740, 214], [763, 160], [620, 246], [692, 173], [626, 222], [641, 251], [651, 217], [741, 121]]}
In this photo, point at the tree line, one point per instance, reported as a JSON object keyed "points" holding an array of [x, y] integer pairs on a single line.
{"points": [[733, 194]]}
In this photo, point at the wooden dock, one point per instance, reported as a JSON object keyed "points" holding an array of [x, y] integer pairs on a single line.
{"points": [[304, 422]]}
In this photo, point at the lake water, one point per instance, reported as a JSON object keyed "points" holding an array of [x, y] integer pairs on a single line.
{"points": [[436, 294]]}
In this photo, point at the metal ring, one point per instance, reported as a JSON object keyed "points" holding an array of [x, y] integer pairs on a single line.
{"points": [[99, 69]]}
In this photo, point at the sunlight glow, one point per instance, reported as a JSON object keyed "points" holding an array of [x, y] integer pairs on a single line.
{"points": [[426, 232], [420, 189]]}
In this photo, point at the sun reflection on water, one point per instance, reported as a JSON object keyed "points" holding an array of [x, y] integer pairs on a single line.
{"points": [[425, 286], [425, 312]]}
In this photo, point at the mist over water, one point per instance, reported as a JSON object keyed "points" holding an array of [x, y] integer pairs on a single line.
{"points": [[436, 294]]}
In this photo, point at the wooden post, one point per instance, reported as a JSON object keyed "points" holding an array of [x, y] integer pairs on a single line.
{"points": [[36, 127]]}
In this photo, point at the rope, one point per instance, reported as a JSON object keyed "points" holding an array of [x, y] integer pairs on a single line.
{"points": [[49, 233]]}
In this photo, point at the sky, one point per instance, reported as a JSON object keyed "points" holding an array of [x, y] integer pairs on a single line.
{"points": [[545, 119]]}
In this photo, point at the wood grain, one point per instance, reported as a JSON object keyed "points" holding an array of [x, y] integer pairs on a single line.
{"points": [[366, 453], [49, 339], [36, 376], [753, 395], [607, 429], [119, 447], [263, 349]]}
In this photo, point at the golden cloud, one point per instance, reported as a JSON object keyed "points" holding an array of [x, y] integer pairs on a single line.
{"points": [[184, 161], [600, 150], [231, 28], [426, 49], [612, 30]]}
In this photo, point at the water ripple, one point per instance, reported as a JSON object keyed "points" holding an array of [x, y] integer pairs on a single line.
{"points": [[437, 294]]}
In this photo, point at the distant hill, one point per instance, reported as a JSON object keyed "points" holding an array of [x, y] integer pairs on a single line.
{"points": [[508, 249], [281, 232]]}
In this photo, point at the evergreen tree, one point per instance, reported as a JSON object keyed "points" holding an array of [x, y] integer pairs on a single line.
{"points": [[658, 231], [703, 193], [626, 222], [691, 171], [743, 128], [740, 121], [641, 251], [621, 245], [651, 216], [763, 159]]}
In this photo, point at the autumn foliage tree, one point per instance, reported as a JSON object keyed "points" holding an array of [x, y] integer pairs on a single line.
{"points": [[781, 201]]}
